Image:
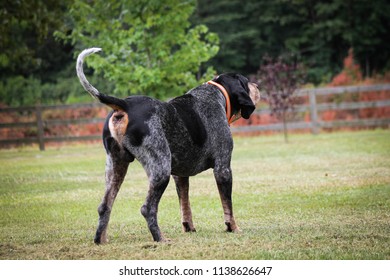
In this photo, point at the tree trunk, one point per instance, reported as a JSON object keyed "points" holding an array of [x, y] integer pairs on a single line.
{"points": [[285, 127]]}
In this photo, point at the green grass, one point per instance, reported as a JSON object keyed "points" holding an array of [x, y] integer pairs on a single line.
{"points": [[318, 197]]}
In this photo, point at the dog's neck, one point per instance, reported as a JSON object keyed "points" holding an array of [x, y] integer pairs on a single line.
{"points": [[231, 118]]}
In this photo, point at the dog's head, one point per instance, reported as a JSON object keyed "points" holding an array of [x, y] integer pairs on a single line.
{"points": [[244, 95]]}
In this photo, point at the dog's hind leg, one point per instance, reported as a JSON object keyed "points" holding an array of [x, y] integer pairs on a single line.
{"points": [[182, 187], [116, 169], [158, 182], [155, 157], [223, 177]]}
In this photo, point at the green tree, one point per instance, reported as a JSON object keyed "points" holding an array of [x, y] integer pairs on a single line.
{"points": [[369, 22], [149, 46], [33, 65], [232, 20], [26, 41], [319, 33]]}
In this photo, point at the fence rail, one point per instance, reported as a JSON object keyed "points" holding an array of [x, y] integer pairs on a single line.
{"points": [[342, 90], [313, 107], [315, 124]]}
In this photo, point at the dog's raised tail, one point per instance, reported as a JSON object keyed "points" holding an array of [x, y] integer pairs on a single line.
{"points": [[80, 72], [111, 101]]}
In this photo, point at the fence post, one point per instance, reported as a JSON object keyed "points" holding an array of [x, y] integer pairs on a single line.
{"points": [[41, 132], [313, 112]]}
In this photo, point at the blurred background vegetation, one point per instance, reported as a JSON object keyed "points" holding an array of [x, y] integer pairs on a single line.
{"points": [[163, 48]]}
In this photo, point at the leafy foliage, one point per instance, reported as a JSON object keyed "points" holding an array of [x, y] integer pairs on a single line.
{"points": [[320, 33], [149, 45], [63, 87], [33, 65], [350, 74], [153, 47], [27, 46]]}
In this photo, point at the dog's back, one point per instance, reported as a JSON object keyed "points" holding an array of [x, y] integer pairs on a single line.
{"points": [[191, 125]]}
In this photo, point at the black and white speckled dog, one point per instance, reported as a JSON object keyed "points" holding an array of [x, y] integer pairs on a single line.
{"points": [[182, 137]]}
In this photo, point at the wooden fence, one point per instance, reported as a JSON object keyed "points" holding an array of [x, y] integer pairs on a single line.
{"points": [[39, 124], [312, 107]]}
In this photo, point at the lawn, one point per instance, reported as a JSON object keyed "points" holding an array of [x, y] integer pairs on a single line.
{"points": [[318, 197]]}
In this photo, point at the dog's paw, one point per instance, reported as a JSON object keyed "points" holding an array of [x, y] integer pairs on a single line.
{"points": [[187, 227], [237, 230], [164, 240], [101, 241], [101, 238], [232, 228]]}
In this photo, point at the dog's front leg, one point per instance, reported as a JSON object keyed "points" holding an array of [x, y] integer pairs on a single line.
{"points": [[182, 188], [223, 177], [115, 173]]}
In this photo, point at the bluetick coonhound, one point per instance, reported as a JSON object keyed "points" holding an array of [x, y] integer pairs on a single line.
{"points": [[182, 138]]}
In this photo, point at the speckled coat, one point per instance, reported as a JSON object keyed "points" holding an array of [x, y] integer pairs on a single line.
{"points": [[182, 138]]}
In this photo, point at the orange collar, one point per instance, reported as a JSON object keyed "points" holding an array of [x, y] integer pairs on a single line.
{"points": [[227, 98]]}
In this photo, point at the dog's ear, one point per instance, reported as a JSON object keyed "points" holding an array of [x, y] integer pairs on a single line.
{"points": [[246, 105], [237, 86], [245, 102]]}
